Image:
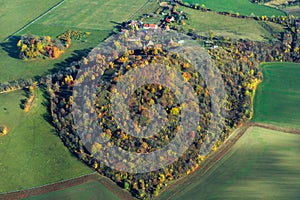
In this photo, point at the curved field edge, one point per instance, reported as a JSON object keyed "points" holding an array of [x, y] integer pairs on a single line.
{"points": [[31, 154], [243, 7], [277, 97], [261, 158]]}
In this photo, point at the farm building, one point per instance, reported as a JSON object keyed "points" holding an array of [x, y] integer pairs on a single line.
{"points": [[150, 26]]}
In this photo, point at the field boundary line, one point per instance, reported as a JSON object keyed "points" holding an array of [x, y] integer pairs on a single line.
{"points": [[13, 194], [68, 183], [36, 19], [277, 128]]}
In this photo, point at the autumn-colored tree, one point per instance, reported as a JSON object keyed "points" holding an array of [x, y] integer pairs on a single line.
{"points": [[56, 52], [3, 130], [68, 40]]}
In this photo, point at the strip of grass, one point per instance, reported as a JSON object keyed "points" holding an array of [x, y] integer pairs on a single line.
{"points": [[244, 7], [31, 153], [90, 190], [277, 99], [263, 164], [221, 25]]}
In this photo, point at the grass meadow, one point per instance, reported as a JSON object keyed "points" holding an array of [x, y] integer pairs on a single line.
{"points": [[31, 153], [92, 14], [204, 22], [243, 7], [277, 99], [13, 68], [17, 13], [263, 164], [97, 17]]}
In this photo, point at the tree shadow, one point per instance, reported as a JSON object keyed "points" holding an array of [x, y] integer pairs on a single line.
{"points": [[77, 55], [47, 116], [10, 46], [22, 103], [117, 23], [26, 95], [118, 26]]}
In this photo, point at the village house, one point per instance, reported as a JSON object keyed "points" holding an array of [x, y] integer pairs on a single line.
{"points": [[150, 26]]}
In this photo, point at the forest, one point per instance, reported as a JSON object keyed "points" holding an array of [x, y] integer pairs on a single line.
{"points": [[239, 77]]}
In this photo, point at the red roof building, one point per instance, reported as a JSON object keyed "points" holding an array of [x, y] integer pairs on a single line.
{"points": [[150, 26]]}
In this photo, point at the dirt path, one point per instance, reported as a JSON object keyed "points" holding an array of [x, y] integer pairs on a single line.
{"points": [[277, 128], [66, 184]]}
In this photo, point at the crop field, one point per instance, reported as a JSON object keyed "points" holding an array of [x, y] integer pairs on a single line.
{"points": [[226, 26], [277, 99], [243, 7], [31, 153], [96, 17], [263, 164]]}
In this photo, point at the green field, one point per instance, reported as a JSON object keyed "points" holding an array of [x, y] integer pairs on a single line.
{"points": [[31, 154], [277, 99], [17, 13], [263, 164], [90, 190], [244, 7], [221, 25], [97, 17], [92, 14]]}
